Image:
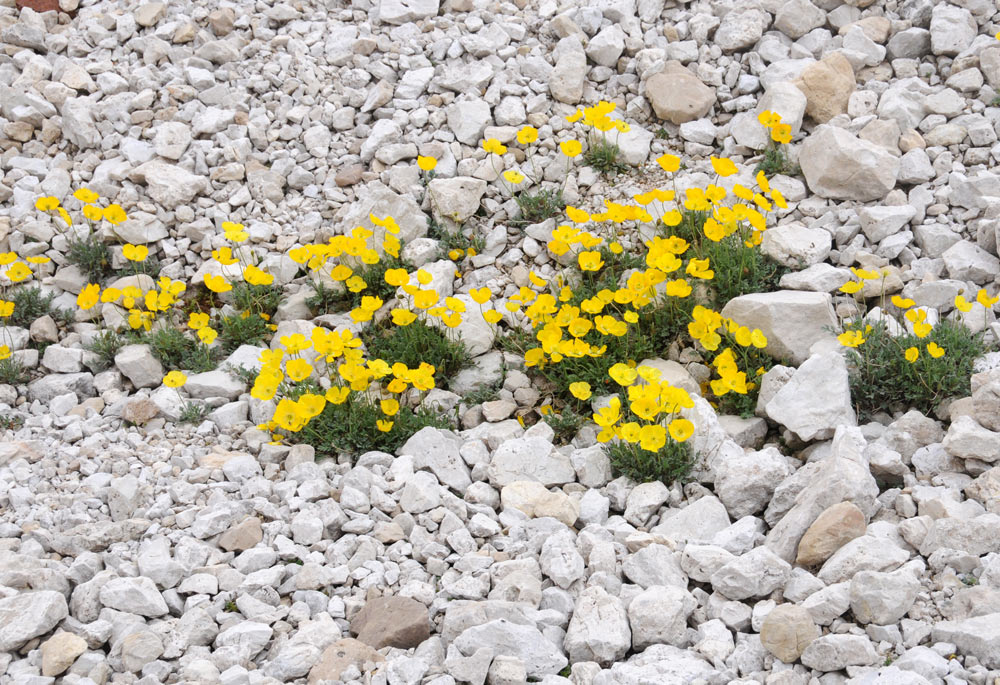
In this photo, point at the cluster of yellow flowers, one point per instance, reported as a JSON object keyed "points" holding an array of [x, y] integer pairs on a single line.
{"points": [[113, 213], [140, 308], [339, 357], [653, 402], [780, 133], [854, 335]]}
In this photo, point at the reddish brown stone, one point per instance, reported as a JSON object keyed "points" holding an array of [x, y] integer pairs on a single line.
{"points": [[392, 622], [39, 5]]}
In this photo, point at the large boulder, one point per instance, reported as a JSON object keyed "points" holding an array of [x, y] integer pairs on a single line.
{"points": [[839, 165], [816, 400], [827, 85], [677, 95], [792, 320]]}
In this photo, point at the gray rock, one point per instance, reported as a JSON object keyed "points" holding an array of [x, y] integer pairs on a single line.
{"points": [[835, 652], [756, 573], [952, 29], [134, 595], [883, 598], [659, 615], [28, 615], [838, 165], [978, 636], [540, 656], [599, 630], [793, 321], [816, 400], [530, 459]]}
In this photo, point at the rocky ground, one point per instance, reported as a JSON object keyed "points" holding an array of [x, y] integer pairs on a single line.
{"points": [[169, 553]]}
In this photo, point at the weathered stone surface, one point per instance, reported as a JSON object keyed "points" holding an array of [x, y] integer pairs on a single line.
{"points": [[677, 95], [787, 631], [832, 529], [599, 629], [978, 636], [60, 651], [838, 165], [793, 321], [834, 652], [29, 615], [827, 85], [339, 656], [392, 622], [816, 400]]}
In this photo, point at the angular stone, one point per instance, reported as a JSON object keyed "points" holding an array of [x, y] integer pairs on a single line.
{"points": [[838, 165], [787, 631], [400, 12], [530, 459], [836, 652], [758, 572], [134, 595], [659, 615], [392, 622], [60, 651], [952, 29], [831, 530], [677, 95], [827, 85], [170, 185], [883, 598], [242, 536], [599, 629], [567, 78], [539, 655], [339, 656], [795, 245], [535, 500], [816, 400], [792, 320], [978, 636], [137, 363], [28, 615], [456, 199]]}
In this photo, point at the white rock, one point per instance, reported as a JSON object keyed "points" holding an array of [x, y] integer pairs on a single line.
{"points": [[795, 245], [467, 119], [883, 598], [816, 400], [793, 321], [134, 595], [952, 29], [530, 459], [540, 656], [607, 46], [404, 11], [837, 164], [835, 652], [978, 636], [745, 485], [139, 365], [28, 615], [758, 572], [659, 615], [599, 630]]}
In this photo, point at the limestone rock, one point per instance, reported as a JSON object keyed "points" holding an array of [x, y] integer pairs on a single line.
{"points": [[29, 614], [787, 631], [677, 95], [827, 85], [60, 651], [838, 165], [599, 629], [832, 529], [792, 320], [392, 622], [816, 400]]}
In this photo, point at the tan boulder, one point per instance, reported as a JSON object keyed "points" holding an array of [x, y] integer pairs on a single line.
{"points": [[827, 85], [787, 631], [831, 530], [677, 95]]}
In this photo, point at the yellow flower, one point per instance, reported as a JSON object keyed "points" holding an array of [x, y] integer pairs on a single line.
{"points": [[768, 118], [723, 167], [6, 308], [88, 296], [37, 259], [681, 429], [224, 256], [985, 300], [403, 317], [234, 231], [299, 255], [911, 354], [424, 277], [623, 374], [865, 274], [92, 212], [590, 260], [114, 214], [578, 114], [207, 334], [311, 405], [174, 379], [480, 295], [337, 395], [298, 369], [86, 195], [217, 284], [197, 320], [571, 148], [921, 330], [758, 339], [4, 352], [426, 163], [935, 350], [698, 268], [287, 415], [851, 287], [580, 390], [134, 253], [18, 272], [494, 146], [390, 407], [781, 133], [492, 316], [47, 203], [528, 134], [64, 215], [671, 218], [384, 426], [901, 302], [669, 163], [962, 304], [513, 176], [256, 276], [851, 338]]}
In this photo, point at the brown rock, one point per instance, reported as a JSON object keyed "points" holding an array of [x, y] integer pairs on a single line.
{"points": [[139, 410], [348, 176], [338, 656], [392, 622], [827, 85], [221, 21], [831, 530], [39, 5], [60, 651], [787, 631], [679, 96], [242, 536]]}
